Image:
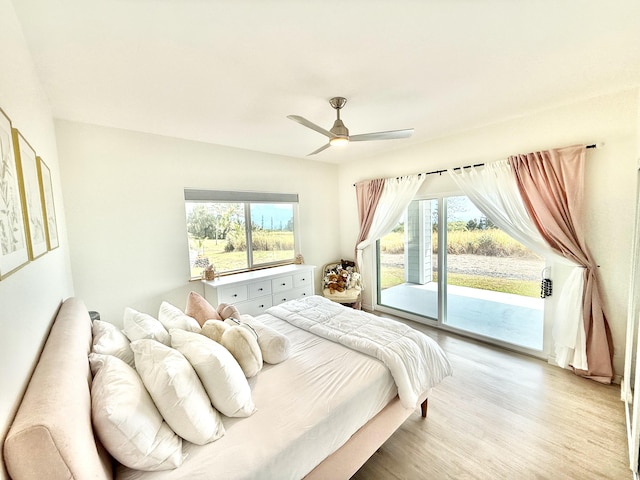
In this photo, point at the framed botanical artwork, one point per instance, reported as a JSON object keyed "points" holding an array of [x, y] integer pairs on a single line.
{"points": [[14, 250], [31, 196], [46, 188]]}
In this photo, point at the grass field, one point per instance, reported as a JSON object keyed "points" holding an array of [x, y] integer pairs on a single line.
{"points": [[485, 242], [214, 250], [491, 243], [395, 276]]}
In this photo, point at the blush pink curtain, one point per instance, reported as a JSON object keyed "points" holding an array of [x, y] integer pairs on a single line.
{"points": [[368, 195], [551, 184]]}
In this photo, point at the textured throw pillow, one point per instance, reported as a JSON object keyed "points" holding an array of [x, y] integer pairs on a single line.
{"points": [[275, 346], [109, 340], [139, 325], [219, 372], [200, 309], [228, 311], [240, 340], [172, 317], [214, 329], [177, 392], [127, 421]]}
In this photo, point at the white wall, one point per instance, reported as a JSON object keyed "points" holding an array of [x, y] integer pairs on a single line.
{"points": [[126, 218], [29, 298], [609, 184]]}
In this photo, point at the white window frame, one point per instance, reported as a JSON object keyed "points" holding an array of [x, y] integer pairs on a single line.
{"points": [[192, 195]]}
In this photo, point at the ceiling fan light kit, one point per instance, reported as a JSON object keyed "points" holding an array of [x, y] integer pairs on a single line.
{"points": [[339, 141], [339, 133]]}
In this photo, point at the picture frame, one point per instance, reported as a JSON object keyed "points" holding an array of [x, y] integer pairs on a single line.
{"points": [[46, 189], [31, 196], [14, 249]]}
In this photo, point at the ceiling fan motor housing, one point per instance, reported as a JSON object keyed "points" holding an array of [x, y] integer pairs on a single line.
{"points": [[339, 129]]}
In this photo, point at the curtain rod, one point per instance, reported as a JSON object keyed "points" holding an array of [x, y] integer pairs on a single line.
{"points": [[440, 172]]}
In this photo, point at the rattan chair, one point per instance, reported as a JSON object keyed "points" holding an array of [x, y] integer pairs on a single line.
{"points": [[341, 283]]}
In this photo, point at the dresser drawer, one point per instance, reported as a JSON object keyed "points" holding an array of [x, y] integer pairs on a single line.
{"points": [[303, 279], [232, 294], [302, 292], [292, 294], [256, 306], [281, 284], [259, 289]]}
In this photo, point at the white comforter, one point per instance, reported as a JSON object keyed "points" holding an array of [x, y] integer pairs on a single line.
{"points": [[416, 362]]}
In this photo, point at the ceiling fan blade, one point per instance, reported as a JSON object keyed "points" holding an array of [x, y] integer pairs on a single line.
{"points": [[311, 125], [393, 134], [324, 147]]}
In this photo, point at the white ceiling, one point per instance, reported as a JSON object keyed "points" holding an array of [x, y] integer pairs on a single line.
{"points": [[228, 72]]}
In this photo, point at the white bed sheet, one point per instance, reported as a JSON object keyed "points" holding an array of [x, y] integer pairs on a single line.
{"points": [[308, 406]]}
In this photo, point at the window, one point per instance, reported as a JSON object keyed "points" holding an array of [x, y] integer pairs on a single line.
{"points": [[239, 231]]}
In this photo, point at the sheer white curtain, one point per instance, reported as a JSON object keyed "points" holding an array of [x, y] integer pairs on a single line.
{"points": [[494, 191], [397, 193]]}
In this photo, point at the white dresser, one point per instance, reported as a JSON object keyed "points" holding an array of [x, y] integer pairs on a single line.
{"points": [[254, 292]]}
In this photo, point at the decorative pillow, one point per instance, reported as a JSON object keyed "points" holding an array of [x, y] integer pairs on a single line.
{"points": [[219, 372], [139, 325], [240, 340], [275, 346], [200, 309], [172, 317], [108, 340], [127, 421], [177, 392], [213, 329], [228, 311]]}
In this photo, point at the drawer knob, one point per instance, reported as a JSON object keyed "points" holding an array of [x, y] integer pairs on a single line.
{"points": [[260, 306], [234, 295], [283, 284], [260, 289]]}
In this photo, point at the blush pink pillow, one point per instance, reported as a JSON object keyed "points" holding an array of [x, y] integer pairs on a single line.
{"points": [[228, 311], [200, 309]]}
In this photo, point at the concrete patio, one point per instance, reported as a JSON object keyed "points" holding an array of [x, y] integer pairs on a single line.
{"points": [[510, 318]]}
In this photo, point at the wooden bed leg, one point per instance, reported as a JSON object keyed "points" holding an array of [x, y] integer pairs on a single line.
{"points": [[424, 407]]}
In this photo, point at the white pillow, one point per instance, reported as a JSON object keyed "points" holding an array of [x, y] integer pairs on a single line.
{"points": [[240, 340], [126, 419], [275, 346], [177, 392], [172, 317], [139, 325], [213, 329], [109, 340], [219, 372]]}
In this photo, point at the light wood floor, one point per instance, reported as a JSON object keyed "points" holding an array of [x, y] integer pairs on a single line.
{"points": [[507, 416]]}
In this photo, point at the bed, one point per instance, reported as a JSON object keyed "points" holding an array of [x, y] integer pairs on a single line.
{"points": [[320, 414]]}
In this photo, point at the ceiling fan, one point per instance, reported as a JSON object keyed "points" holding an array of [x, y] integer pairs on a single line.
{"points": [[339, 134]]}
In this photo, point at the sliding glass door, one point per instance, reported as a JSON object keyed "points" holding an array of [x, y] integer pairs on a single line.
{"points": [[408, 262], [446, 263]]}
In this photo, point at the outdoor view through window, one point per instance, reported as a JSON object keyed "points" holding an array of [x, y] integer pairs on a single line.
{"points": [[219, 233], [492, 281]]}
